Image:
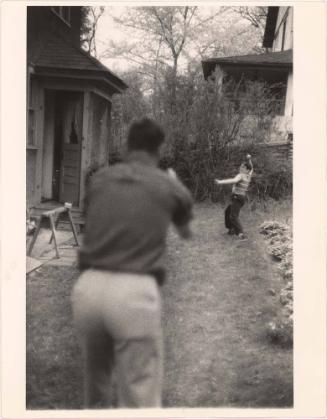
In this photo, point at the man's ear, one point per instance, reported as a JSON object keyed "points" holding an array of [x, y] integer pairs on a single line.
{"points": [[184, 231]]}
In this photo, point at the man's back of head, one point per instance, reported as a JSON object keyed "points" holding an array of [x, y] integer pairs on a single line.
{"points": [[145, 135]]}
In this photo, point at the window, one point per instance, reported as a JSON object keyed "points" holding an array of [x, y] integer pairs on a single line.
{"points": [[63, 12]]}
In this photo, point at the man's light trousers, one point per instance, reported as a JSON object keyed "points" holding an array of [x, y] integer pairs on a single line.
{"points": [[118, 317]]}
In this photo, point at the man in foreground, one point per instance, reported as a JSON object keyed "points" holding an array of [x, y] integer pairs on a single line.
{"points": [[116, 300]]}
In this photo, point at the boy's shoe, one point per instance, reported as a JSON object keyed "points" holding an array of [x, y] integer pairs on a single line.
{"points": [[242, 237], [231, 232]]}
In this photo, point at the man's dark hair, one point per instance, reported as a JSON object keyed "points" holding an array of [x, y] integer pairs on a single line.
{"points": [[145, 135]]}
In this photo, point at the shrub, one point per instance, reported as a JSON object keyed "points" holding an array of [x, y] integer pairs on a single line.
{"points": [[281, 331], [209, 130], [279, 238], [206, 139]]}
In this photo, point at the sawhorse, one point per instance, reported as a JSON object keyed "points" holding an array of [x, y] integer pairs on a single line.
{"points": [[57, 212]]}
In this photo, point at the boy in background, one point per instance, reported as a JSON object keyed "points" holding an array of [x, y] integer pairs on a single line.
{"points": [[240, 184]]}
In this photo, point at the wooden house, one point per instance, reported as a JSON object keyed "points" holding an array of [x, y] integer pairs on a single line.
{"points": [[278, 37], [69, 95], [275, 67], [279, 29]]}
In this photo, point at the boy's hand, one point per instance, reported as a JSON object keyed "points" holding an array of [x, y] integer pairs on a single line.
{"points": [[217, 181]]}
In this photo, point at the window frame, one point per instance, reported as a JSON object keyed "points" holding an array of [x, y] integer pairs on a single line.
{"points": [[31, 116], [31, 142], [283, 35]]}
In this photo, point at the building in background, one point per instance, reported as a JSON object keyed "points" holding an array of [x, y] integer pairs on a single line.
{"points": [[275, 67], [278, 34], [278, 37], [69, 96]]}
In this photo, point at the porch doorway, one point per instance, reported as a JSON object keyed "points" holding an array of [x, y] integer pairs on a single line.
{"points": [[62, 146]]}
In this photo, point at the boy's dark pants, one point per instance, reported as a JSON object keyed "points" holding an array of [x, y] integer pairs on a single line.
{"points": [[232, 213]]}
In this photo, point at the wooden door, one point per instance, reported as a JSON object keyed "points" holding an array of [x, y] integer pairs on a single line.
{"points": [[70, 168]]}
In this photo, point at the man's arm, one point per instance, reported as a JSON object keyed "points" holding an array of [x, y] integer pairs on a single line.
{"points": [[182, 215]]}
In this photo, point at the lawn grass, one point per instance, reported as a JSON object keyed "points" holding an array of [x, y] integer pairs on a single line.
{"points": [[216, 307], [53, 362]]}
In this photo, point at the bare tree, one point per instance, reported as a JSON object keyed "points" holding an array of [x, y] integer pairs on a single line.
{"points": [[255, 15], [90, 19], [163, 36]]}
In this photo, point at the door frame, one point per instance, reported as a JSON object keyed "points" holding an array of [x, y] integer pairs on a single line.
{"points": [[63, 96], [87, 87], [82, 87]]}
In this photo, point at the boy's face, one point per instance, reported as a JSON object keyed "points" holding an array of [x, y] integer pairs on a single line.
{"points": [[243, 169]]}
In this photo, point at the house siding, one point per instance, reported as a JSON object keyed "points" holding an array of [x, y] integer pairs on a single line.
{"points": [[30, 176], [99, 131], [35, 149], [47, 37], [289, 96], [48, 146], [42, 22], [281, 154], [285, 14]]}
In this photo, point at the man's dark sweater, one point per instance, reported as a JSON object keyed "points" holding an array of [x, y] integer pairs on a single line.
{"points": [[129, 209]]}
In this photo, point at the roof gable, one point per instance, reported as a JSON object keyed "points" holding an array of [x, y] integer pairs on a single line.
{"points": [[279, 59], [58, 54]]}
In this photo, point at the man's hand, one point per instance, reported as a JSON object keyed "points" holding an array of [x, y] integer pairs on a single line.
{"points": [[171, 172]]}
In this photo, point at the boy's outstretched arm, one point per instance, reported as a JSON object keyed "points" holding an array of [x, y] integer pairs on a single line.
{"points": [[230, 181]]}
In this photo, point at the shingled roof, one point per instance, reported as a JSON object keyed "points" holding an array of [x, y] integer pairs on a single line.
{"points": [[59, 55], [278, 59]]}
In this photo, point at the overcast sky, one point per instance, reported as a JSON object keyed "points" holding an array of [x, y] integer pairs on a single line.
{"points": [[109, 31]]}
